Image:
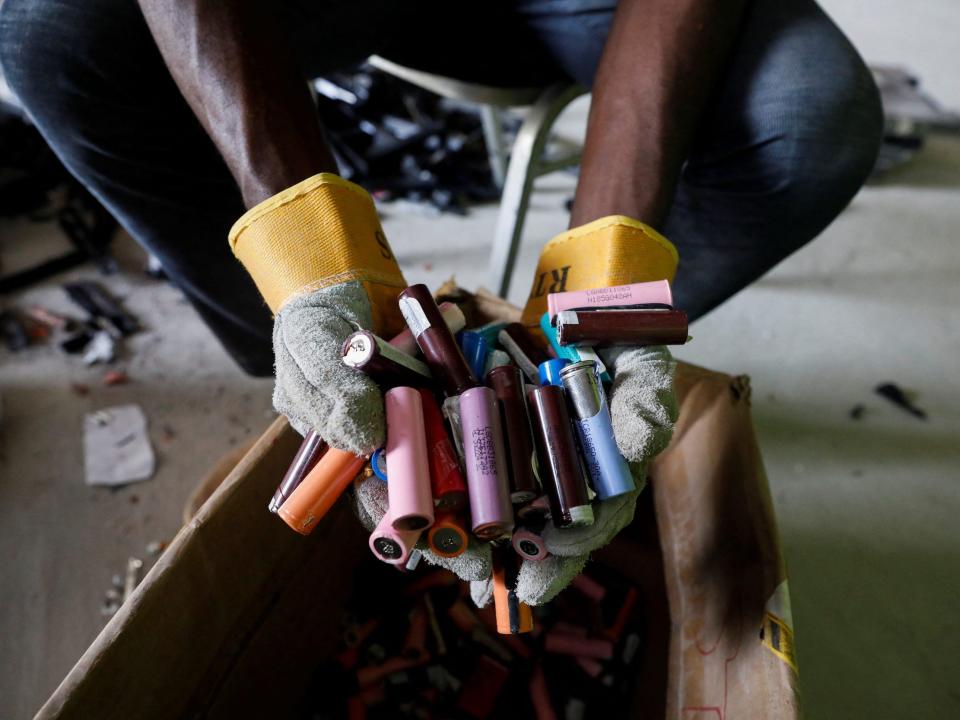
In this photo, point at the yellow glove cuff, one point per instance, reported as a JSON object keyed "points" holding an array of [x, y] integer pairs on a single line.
{"points": [[321, 232], [614, 250]]}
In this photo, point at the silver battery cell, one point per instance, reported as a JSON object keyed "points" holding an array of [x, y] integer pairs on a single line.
{"points": [[451, 411], [608, 471], [381, 361]]}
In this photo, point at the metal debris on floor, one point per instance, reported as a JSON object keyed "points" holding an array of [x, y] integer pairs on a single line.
{"points": [[116, 446], [122, 586], [901, 398], [910, 116], [115, 377], [404, 143]]}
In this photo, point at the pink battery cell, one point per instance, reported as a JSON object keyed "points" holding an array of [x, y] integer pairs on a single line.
{"points": [[578, 646], [411, 501], [589, 587], [647, 293], [529, 545], [591, 667], [391, 545]]}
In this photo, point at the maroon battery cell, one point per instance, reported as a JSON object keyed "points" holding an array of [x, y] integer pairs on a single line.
{"points": [[383, 363], [435, 340], [507, 384], [560, 468], [311, 450], [600, 328]]}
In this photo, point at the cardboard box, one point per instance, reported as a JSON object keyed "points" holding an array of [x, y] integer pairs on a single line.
{"points": [[234, 616]]}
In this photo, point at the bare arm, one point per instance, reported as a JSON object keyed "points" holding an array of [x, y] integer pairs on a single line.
{"points": [[658, 69], [234, 67]]}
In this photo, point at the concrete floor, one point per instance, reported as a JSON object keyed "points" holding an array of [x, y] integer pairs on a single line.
{"points": [[867, 509]]}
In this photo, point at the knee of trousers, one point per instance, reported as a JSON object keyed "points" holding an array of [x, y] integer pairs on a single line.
{"points": [[35, 50], [825, 150], [65, 61]]}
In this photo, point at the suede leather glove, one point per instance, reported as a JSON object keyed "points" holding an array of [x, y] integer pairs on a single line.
{"points": [[322, 263], [611, 251], [643, 409]]}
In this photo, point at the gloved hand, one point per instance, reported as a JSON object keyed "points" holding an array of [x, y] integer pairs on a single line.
{"points": [[322, 263], [643, 410], [611, 251], [474, 564]]}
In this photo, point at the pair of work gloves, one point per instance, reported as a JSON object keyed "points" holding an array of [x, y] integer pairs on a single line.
{"points": [[322, 263]]}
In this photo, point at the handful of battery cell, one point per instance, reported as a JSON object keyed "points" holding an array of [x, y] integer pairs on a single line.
{"points": [[492, 433]]}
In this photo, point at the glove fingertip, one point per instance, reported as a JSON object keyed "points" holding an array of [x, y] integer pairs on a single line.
{"points": [[481, 592], [539, 583]]}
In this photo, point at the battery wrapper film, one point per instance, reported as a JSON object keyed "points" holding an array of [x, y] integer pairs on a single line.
{"points": [[508, 385], [487, 476], [561, 476], [435, 340], [609, 472], [411, 501], [605, 328]]}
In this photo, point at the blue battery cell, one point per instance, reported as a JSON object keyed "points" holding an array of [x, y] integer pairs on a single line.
{"points": [[609, 472], [378, 462], [570, 352], [550, 371], [475, 347]]}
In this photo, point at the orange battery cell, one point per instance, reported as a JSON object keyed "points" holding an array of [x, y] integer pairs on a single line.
{"points": [[513, 616], [482, 688], [447, 536], [540, 695], [320, 489], [623, 615]]}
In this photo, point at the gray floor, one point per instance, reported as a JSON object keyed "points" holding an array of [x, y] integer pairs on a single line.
{"points": [[867, 509]]}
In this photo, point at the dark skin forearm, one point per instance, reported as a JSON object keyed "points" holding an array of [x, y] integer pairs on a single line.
{"points": [[658, 69], [231, 62], [234, 67]]}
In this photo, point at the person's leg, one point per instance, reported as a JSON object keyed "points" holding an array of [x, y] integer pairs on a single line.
{"points": [[93, 81], [789, 138], [788, 142]]}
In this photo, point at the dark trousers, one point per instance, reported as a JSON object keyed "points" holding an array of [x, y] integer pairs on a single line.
{"points": [[788, 138]]}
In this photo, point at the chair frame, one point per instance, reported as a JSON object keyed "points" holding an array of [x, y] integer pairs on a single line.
{"points": [[527, 156]]}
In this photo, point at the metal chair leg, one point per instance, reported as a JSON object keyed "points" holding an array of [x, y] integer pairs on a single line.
{"points": [[492, 120], [523, 169]]}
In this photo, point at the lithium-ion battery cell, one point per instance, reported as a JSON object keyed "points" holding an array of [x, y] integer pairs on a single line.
{"points": [[382, 362], [484, 451], [447, 536], [529, 545], [390, 545], [560, 472], [507, 383], [654, 293], [309, 503], [411, 500], [604, 328], [446, 480], [550, 371], [436, 342], [609, 472], [311, 450]]}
